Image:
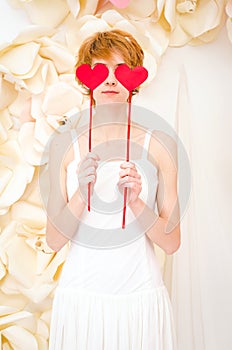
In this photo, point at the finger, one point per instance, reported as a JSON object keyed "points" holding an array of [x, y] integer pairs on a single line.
{"points": [[87, 179], [125, 165], [89, 171], [88, 163], [132, 186], [129, 179], [92, 155], [129, 172]]}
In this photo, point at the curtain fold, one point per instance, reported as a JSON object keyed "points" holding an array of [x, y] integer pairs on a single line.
{"points": [[201, 271]]}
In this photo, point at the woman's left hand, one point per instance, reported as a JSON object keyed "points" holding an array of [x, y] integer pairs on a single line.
{"points": [[130, 178]]}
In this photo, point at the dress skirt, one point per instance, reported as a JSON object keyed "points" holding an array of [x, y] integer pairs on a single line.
{"points": [[89, 321]]}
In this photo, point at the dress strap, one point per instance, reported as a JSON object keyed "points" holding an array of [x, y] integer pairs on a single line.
{"points": [[146, 144], [75, 143]]}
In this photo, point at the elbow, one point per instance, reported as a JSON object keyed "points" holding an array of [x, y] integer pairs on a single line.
{"points": [[174, 241], [54, 238], [53, 245], [170, 250]]}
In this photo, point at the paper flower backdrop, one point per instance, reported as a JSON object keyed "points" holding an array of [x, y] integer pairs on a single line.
{"points": [[38, 89]]}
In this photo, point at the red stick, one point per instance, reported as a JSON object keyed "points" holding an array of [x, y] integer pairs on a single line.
{"points": [[90, 139], [127, 156]]}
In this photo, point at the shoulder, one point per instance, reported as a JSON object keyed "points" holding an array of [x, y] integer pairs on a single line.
{"points": [[61, 144], [60, 147], [59, 139], [164, 148]]}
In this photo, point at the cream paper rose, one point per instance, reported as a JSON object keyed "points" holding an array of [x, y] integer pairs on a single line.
{"points": [[49, 13], [29, 271], [39, 85], [53, 12], [195, 22], [17, 329], [15, 173]]}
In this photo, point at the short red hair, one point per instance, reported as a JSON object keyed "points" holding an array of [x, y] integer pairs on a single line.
{"points": [[103, 44]]}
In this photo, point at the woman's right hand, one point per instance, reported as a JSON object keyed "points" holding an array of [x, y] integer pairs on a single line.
{"points": [[87, 173]]}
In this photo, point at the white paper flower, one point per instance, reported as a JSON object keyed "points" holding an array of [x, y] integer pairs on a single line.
{"points": [[34, 86], [5, 125], [196, 22], [17, 329], [42, 12], [8, 93], [15, 173], [20, 244], [186, 6]]}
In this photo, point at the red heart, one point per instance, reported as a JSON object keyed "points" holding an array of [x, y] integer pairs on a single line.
{"points": [[92, 77], [130, 78]]}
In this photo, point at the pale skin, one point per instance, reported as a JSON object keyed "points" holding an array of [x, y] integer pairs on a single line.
{"points": [[63, 214]]}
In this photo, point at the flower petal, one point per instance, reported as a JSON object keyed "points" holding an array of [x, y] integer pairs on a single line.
{"points": [[32, 148], [229, 8], [33, 32], [36, 84], [20, 338], [74, 6], [207, 16], [47, 13], [61, 58], [88, 7], [137, 9], [2, 270], [5, 125], [29, 214], [20, 59], [13, 317], [21, 173], [8, 93], [61, 98]]}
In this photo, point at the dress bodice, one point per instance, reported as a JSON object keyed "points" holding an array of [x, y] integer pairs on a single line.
{"points": [[102, 226], [103, 257]]}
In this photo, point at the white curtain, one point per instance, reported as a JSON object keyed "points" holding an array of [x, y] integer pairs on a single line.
{"points": [[192, 91]]}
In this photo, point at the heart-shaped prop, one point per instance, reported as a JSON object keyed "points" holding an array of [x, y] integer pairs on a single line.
{"points": [[92, 77], [131, 78]]}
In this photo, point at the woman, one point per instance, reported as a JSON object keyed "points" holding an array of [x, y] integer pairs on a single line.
{"points": [[111, 294]]}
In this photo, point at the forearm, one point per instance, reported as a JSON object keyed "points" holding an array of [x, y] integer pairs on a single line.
{"points": [[155, 227], [62, 226]]}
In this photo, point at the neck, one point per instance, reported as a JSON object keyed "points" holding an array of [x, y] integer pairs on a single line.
{"points": [[110, 120]]}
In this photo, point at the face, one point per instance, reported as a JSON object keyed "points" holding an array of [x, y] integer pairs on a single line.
{"points": [[111, 90]]}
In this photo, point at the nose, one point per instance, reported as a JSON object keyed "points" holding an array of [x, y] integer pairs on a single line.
{"points": [[111, 80]]}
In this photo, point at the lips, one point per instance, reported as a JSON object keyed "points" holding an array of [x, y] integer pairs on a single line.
{"points": [[110, 92]]}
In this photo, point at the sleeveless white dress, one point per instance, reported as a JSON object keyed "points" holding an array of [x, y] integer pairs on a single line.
{"points": [[111, 295]]}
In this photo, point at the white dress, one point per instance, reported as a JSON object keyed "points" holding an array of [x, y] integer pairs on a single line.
{"points": [[111, 295]]}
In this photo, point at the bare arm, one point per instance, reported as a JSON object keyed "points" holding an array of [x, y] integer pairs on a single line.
{"points": [[62, 215], [164, 229]]}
